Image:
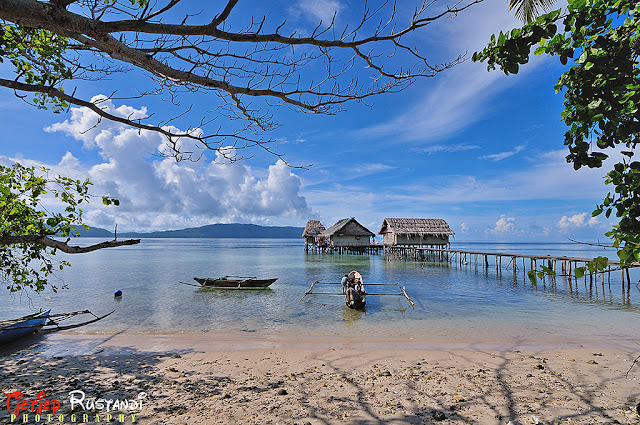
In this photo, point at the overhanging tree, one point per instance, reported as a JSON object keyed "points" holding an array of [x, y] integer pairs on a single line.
{"points": [[28, 230], [528, 10], [599, 42], [249, 64]]}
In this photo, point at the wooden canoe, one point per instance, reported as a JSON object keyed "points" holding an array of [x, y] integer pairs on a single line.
{"points": [[13, 329], [234, 282], [43, 322]]}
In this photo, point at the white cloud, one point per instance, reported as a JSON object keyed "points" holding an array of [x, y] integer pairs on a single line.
{"points": [[504, 225], [453, 104], [459, 97], [577, 220], [464, 228], [548, 177], [156, 192], [430, 150], [503, 155], [318, 10], [87, 127], [370, 168]]}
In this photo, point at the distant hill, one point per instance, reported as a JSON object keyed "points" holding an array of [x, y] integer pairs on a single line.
{"points": [[95, 232], [210, 231]]}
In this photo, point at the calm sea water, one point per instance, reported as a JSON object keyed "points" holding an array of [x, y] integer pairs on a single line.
{"points": [[453, 302]]}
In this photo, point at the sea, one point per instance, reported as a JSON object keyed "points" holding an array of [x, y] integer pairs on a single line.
{"points": [[453, 302]]}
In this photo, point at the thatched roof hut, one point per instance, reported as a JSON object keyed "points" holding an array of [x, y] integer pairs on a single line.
{"points": [[415, 231], [348, 232], [312, 229]]}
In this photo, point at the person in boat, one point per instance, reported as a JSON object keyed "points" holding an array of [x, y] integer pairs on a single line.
{"points": [[359, 287], [345, 283], [355, 292]]}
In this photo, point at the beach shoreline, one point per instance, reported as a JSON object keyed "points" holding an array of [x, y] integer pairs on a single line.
{"points": [[221, 378], [69, 343]]}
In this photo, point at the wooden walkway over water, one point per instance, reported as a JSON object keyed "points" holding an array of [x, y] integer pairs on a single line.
{"points": [[515, 262], [499, 260]]}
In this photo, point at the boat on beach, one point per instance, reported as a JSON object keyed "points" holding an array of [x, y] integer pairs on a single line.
{"points": [[234, 282], [42, 322], [13, 329]]}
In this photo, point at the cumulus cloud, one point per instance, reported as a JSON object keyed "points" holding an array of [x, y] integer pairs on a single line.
{"points": [[464, 228], [86, 126], [158, 192], [504, 225], [577, 220]]}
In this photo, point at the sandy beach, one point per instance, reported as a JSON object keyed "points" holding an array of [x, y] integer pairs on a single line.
{"points": [[217, 378]]}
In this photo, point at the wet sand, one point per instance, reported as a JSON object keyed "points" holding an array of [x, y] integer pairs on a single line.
{"points": [[247, 378]]}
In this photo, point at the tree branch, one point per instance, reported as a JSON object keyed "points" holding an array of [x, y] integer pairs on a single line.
{"points": [[63, 246], [316, 73]]}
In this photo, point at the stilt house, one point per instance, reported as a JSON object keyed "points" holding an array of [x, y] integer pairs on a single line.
{"points": [[348, 233], [311, 232], [415, 232]]}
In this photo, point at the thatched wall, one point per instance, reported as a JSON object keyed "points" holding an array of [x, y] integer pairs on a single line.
{"points": [[415, 231], [338, 241]]}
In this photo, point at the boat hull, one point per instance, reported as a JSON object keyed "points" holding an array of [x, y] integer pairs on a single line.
{"points": [[234, 283], [26, 325], [356, 305]]}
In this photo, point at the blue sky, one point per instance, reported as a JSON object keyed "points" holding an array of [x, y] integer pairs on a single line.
{"points": [[481, 150]]}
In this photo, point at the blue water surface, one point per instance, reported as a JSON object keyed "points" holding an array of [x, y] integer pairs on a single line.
{"points": [[454, 302]]}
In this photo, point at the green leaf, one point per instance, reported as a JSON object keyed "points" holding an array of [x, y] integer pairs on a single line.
{"points": [[512, 67], [595, 104], [548, 271]]}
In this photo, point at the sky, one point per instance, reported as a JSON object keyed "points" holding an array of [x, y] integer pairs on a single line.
{"points": [[482, 150]]}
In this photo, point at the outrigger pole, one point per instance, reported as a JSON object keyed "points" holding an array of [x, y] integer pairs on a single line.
{"points": [[402, 293], [62, 316], [53, 322], [310, 289]]}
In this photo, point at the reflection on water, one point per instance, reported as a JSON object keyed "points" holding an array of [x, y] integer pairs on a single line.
{"points": [[453, 301], [350, 316]]}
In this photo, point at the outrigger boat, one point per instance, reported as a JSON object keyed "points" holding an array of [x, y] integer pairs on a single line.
{"points": [[353, 302], [232, 282], [41, 322], [355, 296]]}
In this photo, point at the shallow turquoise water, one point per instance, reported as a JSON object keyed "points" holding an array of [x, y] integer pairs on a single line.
{"points": [[453, 302]]}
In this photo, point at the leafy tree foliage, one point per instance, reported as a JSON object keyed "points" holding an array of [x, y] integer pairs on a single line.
{"points": [[599, 42], [27, 246]]}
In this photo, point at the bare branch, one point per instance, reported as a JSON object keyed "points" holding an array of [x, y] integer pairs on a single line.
{"points": [[63, 246], [369, 57]]}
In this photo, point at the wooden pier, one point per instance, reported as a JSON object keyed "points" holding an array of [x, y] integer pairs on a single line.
{"points": [[515, 262], [486, 260]]}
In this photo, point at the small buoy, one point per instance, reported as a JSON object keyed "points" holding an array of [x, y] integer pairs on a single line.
{"points": [[117, 294]]}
